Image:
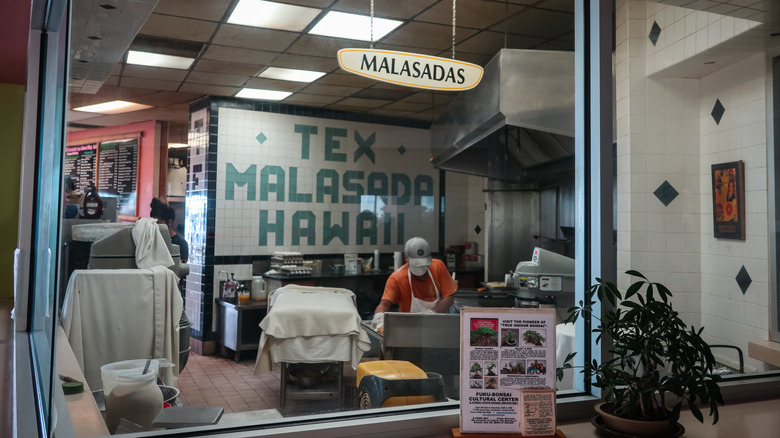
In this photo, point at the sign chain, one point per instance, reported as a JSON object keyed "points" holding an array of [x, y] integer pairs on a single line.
{"points": [[372, 25], [453, 28]]}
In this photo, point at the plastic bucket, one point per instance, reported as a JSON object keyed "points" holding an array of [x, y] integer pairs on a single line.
{"points": [[109, 372]]}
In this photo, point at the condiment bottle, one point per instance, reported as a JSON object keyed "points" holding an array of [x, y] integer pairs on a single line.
{"points": [[230, 288], [93, 205], [243, 295]]}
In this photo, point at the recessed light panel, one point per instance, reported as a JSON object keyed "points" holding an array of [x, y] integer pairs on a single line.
{"points": [[256, 93], [272, 15], [353, 26], [291, 74], [158, 60], [113, 107]]}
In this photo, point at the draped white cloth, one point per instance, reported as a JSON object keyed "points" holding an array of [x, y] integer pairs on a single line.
{"points": [[110, 315], [308, 324], [150, 247]]}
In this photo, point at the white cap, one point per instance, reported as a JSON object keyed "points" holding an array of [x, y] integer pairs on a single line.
{"points": [[418, 252]]}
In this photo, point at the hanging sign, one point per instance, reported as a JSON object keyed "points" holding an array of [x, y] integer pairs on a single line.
{"points": [[411, 69]]}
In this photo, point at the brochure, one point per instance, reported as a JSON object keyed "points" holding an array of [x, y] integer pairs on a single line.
{"points": [[503, 352]]}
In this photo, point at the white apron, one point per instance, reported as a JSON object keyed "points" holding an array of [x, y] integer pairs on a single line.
{"points": [[418, 305]]}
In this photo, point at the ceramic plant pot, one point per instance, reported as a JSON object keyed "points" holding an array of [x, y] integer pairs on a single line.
{"points": [[633, 428]]}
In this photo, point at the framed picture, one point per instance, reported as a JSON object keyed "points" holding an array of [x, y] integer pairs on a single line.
{"points": [[728, 200]]}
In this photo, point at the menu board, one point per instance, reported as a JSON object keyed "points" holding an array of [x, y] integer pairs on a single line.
{"points": [[504, 352], [80, 165], [118, 173]]}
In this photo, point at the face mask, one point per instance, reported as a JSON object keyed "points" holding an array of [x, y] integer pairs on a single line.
{"points": [[418, 271]]}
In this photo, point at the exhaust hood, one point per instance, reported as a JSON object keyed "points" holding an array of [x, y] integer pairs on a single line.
{"points": [[517, 125]]}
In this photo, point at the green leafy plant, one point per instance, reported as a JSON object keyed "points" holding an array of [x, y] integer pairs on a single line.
{"points": [[533, 337], [484, 336], [510, 337], [657, 364]]}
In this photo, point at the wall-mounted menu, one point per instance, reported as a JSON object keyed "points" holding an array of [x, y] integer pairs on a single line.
{"points": [[118, 173], [80, 165]]}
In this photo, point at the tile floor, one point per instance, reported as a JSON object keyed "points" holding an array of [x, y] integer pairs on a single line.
{"points": [[218, 381]]}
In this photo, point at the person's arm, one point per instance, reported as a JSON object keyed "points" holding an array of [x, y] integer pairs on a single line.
{"points": [[384, 306], [444, 304]]}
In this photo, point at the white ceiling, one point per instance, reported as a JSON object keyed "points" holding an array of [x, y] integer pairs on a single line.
{"points": [[229, 57]]}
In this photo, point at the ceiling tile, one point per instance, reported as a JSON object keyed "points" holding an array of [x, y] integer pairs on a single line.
{"points": [[474, 58], [166, 98], [275, 84], [489, 43], [178, 27], [331, 90], [312, 99], [538, 23], [157, 73], [316, 63], [208, 89], [253, 37], [420, 50], [388, 9], [389, 112], [384, 93], [364, 103], [217, 79], [315, 45], [212, 10], [431, 36], [236, 54], [149, 84], [313, 3], [409, 106], [469, 14], [556, 45], [557, 5], [223, 67], [347, 108], [420, 97], [346, 79]]}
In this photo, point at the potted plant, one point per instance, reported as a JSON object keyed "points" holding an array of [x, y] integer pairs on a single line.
{"points": [[533, 337], [657, 365], [510, 337], [476, 371]]}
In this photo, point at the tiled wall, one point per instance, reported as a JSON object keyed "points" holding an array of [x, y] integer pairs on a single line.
{"points": [[667, 142], [731, 315], [465, 210]]}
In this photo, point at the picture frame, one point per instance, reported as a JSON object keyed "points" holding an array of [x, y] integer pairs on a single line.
{"points": [[728, 200]]}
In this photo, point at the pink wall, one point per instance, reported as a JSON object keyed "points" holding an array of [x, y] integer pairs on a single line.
{"points": [[146, 164]]}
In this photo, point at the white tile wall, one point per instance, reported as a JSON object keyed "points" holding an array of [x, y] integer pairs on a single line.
{"points": [[665, 132], [237, 221]]}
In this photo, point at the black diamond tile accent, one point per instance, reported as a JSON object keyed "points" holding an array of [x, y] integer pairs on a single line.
{"points": [[665, 193], [743, 280], [401, 149], [655, 32], [717, 111], [477, 229]]}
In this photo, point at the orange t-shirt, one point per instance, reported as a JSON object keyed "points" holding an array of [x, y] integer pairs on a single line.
{"points": [[397, 288]]}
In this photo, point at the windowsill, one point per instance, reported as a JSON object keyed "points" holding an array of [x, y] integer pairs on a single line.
{"points": [[765, 351], [84, 412]]}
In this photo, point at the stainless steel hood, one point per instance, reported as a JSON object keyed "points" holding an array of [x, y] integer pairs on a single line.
{"points": [[517, 125]]}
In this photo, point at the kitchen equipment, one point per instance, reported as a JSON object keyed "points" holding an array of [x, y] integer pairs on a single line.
{"points": [[337, 269], [376, 260], [135, 398], [229, 288], [259, 288], [547, 275], [109, 372], [385, 383]]}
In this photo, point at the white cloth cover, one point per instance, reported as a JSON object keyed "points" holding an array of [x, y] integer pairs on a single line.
{"points": [[110, 315], [311, 324], [150, 247]]}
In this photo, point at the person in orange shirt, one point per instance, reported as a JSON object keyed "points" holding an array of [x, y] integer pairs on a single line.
{"points": [[422, 285]]}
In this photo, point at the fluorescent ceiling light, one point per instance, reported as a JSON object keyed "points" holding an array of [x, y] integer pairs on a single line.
{"points": [[291, 74], [177, 145], [113, 107], [354, 27], [256, 93], [260, 13], [158, 60]]}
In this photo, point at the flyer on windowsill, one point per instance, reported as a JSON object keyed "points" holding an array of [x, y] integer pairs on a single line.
{"points": [[503, 352]]}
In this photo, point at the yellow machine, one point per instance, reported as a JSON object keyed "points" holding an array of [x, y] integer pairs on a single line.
{"points": [[386, 383]]}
